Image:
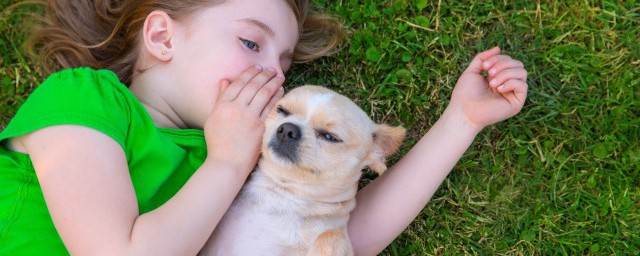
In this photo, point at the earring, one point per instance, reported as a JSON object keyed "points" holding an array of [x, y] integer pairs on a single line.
{"points": [[163, 52]]}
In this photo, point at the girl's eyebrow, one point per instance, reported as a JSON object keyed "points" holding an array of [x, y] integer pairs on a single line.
{"points": [[259, 24]]}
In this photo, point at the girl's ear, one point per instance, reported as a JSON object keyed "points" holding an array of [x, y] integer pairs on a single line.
{"points": [[157, 33], [386, 141]]}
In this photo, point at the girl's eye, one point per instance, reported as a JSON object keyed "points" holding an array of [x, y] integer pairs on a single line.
{"points": [[329, 137], [251, 45]]}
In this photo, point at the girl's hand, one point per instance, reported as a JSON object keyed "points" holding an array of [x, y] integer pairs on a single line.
{"points": [[234, 129], [487, 100]]}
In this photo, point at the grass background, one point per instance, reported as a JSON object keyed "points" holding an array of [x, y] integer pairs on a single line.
{"points": [[562, 177]]}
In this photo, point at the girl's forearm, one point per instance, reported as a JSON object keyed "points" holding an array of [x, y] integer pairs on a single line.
{"points": [[93, 204], [184, 223], [389, 204]]}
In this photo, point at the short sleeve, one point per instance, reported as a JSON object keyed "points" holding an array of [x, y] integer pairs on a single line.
{"points": [[81, 96]]}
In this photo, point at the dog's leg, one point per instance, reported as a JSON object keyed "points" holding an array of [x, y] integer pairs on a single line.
{"points": [[332, 242]]}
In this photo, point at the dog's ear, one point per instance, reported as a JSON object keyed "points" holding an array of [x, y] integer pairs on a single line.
{"points": [[386, 140]]}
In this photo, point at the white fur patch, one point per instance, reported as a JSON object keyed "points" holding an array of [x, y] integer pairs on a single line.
{"points": [[316, 101]]}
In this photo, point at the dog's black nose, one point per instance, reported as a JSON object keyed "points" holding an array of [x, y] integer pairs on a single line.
{"points": [[288, 132]]}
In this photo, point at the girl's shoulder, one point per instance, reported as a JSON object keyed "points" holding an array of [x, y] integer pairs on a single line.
{"points": [[80, 96], [80, 79]]}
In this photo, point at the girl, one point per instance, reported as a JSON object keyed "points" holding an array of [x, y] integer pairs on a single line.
{"points": [[139, 146]]}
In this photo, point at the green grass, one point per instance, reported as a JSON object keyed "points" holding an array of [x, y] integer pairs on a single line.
{"points": [[562, 177]]}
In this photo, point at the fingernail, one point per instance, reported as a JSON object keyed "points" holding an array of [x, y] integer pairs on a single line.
{"points": [[492, 71], [258, 67], [485, 64], [271, 69], [501, 87]]}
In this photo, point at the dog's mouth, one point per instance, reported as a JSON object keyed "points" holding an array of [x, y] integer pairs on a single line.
{"points": [[284, 151]]}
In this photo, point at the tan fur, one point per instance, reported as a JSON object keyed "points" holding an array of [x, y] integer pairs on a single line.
{"points": [[302, 207], [388, 140], [331, 242]]}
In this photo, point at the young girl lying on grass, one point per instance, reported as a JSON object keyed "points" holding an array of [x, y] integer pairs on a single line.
{"points": [[130, 151]]}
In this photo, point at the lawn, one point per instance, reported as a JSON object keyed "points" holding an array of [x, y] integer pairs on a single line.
{"points": [[562, 177]]}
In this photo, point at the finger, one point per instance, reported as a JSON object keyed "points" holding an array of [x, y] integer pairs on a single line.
{"points": [[502, 65], [515, 91], [264, 95], [222, 88], [507, 74], [476, 64], [234, 89], [272, 103], [488, 53], [251, 89], [491, 61]]}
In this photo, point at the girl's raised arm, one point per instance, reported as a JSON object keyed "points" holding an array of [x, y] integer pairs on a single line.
{"points": [[387, 206]]}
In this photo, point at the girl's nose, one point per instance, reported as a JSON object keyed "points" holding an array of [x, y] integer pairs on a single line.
{"points": [[275, 65], [278, 70]]}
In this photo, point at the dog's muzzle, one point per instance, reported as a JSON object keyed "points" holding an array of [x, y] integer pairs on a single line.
{"points": [[286, 141]]}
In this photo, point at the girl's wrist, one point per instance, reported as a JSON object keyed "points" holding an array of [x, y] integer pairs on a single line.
{"points": [[224, 165], [454, 119]]}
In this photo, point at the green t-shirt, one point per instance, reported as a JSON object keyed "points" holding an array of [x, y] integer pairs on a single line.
{"points": [[160, 160]]}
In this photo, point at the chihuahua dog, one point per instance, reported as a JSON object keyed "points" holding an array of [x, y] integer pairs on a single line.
{"points": [[298, 199]]}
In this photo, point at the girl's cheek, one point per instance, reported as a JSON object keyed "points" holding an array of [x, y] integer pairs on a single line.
{"points": [[242, 65], [233, 62]]}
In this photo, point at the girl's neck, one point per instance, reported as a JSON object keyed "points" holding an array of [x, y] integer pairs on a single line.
{"points": [[160, 119], [156, 106]]}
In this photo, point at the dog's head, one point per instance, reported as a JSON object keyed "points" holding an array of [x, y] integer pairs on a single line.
{"points": [[316, 136]]}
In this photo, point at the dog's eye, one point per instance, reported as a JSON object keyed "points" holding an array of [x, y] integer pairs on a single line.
{"points": [[283, 111], [328, 137]]}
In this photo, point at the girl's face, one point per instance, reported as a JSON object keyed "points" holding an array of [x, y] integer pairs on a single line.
{"points": [[222, 41]]}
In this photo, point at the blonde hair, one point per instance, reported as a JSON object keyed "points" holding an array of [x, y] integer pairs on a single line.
{"points": [[104, 34]]}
